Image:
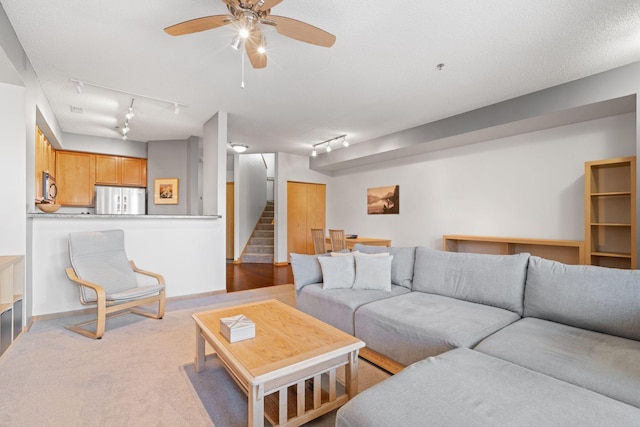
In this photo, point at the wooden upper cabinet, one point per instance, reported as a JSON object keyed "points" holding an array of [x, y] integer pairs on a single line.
{"points": [[45, 160], [107, 170], [133, 171], [115, 170], [75, 178]]}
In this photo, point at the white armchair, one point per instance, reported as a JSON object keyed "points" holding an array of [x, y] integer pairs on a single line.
{"points": [[107, 279]]}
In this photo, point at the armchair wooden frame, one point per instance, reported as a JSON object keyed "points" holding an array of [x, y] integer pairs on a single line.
{"points": [[108, 309]]}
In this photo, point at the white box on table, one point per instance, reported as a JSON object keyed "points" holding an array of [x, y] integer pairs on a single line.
{"points": [[237, 328]]}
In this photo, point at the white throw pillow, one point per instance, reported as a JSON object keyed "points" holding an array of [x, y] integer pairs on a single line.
{"points": [[346, 253], [337, 272], [373, 273]]}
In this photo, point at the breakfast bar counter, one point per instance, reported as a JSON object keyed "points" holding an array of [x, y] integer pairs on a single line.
{"points": [[189, 251]]}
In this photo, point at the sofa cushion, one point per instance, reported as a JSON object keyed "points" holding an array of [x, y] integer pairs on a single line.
{"points": [[467, 388], [337, 272], [402, 264], [603, 363], [336, 306], [410, 327], [306, 269], [373, 272], [600, 299], [496, 280]]}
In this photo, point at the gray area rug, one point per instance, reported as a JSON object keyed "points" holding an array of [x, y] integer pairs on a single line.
{"points": [[139, 374]]}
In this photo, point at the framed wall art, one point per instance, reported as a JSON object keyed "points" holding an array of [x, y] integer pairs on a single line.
{"points": [[165, 191], [383, 200]]}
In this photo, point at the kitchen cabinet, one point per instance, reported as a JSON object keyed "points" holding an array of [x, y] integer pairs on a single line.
{"points": [[305, 210], [126, 171], [45, 160], [75, 178]]}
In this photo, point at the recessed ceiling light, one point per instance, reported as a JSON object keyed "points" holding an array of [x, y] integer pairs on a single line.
{"points": [[77, 110]]}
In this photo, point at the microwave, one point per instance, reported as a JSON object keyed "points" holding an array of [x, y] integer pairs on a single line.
{"points": [[49, 189]]}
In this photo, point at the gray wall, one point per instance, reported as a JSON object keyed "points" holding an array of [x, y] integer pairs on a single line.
{"points": [[168, 159]]}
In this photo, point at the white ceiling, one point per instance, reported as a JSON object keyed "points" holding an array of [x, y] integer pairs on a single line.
{"points": [[381, 76]]}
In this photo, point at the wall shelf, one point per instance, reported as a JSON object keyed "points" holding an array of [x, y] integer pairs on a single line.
{"points": [[11, 296], [565, 251]]}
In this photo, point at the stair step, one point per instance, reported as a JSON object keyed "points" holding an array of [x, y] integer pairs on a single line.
{"points": [[265, 220], [264, 241], [264, 226], [268, 214], [263, 233], [257, 258], [260, 249]]}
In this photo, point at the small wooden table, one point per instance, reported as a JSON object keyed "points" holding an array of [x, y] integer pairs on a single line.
{"points": [[282, 368], [372, 241]]}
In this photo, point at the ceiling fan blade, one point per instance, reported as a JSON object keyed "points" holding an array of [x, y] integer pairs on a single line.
{"points": [[251, 45], [302, 31], [268, 4], [198, 24]]}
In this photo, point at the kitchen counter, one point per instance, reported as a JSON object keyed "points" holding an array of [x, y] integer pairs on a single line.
{"points": [[94, 216]]}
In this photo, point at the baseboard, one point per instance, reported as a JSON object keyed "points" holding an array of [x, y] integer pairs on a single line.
{"points": [[281, 264]]}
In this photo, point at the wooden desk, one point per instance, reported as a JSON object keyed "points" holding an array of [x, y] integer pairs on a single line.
{"points": [[372, 241]]}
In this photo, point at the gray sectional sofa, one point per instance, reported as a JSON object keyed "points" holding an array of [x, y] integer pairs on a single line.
{"points": [[487, 339]]}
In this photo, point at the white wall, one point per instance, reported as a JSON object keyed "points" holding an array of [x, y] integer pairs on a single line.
{"points": [[12, 170], [250, 196], [530, 185], [291, 167]]}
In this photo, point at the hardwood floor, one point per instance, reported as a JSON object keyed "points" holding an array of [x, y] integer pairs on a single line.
{"points": [[241, 277]]}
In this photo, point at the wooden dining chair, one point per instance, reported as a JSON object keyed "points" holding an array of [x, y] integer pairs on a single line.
{"points": [[319, 240], [338, 240]]}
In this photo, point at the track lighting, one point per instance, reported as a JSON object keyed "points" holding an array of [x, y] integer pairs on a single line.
{"points": [[328, 142], [80, 86], [239, 148]]}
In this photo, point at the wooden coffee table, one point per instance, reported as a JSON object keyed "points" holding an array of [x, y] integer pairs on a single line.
{"points": [[283, 369]]}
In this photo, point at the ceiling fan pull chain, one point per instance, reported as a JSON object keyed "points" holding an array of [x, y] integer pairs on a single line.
{"points": [[242, 71]]}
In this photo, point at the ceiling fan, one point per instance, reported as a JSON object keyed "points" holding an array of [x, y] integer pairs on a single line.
{"points": [[248, 15]]}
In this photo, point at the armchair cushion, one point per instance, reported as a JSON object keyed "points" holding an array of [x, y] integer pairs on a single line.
{"points": [[99, 257]]}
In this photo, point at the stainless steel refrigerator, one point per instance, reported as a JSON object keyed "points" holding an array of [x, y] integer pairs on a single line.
{"points": [[120, 200]]}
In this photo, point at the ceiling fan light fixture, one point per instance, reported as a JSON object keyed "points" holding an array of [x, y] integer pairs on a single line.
{"points": [[262, 46], [235, 43], [239, 148]]}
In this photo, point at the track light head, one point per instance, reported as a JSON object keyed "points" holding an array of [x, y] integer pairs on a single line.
{"points": [[79, 87], [328, 146], [314, 153]]}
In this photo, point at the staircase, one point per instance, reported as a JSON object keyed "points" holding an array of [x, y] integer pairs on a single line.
{"points": [[259, 250]]}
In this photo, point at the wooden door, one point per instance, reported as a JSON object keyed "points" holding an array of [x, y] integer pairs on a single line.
{"points": [[76, 177], [305, 210], [230, 219]]}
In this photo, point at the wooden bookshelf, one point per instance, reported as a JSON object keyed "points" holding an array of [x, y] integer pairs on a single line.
{"points": [[565, 251], [610, 212]]}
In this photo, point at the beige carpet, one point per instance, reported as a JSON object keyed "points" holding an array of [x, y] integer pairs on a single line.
{"points": [[139, 374]]}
